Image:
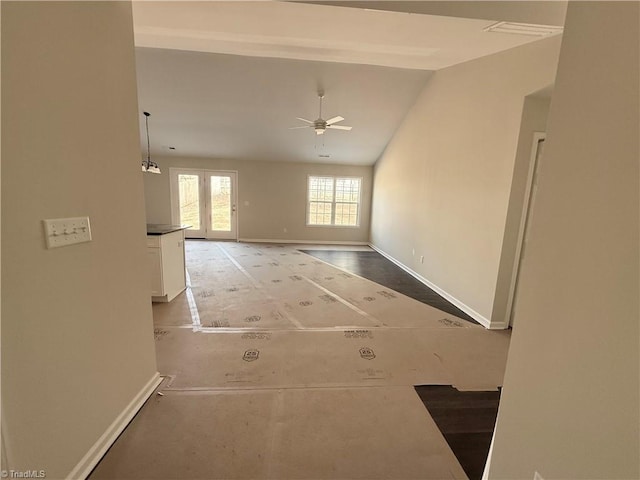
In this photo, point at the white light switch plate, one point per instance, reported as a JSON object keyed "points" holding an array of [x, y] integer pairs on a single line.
{"points": [[60, 232]]}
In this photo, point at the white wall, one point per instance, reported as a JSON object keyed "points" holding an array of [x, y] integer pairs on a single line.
{"points": [[3, 453], [442, 186], [77, 335], [570, 402], [277, 196]]}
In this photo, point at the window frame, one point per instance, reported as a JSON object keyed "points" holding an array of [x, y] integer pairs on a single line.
{"points": [[333, 202]]}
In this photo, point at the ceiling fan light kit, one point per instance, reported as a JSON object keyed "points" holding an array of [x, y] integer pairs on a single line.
{"points": [[320, 125]]}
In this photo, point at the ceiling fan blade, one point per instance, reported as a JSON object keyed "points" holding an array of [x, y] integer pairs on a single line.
{"points": [[303, 126], [304, 120], [339, 127], [334, 120]]}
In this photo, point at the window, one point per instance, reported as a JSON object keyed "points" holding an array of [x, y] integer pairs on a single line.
{"points": [[334, 201]]}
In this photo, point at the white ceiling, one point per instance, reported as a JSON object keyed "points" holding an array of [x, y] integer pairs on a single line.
{"points": [[545, 12], [231, 106], [227, 79]]}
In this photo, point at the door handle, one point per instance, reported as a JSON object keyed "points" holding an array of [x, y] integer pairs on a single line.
{"points": [[233, 208]]}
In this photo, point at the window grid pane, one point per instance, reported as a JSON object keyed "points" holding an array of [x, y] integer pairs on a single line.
{"points": [[329, 195], [321, 189], [320, 213], [347, 189], [347, 214]]}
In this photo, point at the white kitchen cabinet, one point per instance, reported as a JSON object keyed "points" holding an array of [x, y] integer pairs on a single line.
{"points": [[166, 264]]}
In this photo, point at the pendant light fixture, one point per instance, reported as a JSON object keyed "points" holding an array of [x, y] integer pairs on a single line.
{"points": [[147, 165]]}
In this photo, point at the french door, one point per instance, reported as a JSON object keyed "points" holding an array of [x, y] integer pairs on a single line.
{"points": [[206, 200]]}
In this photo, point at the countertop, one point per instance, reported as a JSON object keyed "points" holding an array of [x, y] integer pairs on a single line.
{"points": [[163, 229]]}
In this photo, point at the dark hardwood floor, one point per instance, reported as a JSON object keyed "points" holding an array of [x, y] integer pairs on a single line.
{"points": [[466, 420], [375, 267]]}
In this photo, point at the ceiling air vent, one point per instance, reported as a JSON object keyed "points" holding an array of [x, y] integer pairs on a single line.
{"points": [[524, 29]]}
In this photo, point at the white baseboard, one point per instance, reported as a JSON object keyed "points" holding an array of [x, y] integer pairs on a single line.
{"points": [[499, 326], [304, 242], [485, 322], [96, 452]]}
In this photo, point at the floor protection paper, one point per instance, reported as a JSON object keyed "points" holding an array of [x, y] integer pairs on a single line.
{"points": [[280, 366], [295, 286], [352, 433], [469, 359]]}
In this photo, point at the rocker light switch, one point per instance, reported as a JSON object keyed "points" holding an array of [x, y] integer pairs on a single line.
{"points": [[60, 232]]}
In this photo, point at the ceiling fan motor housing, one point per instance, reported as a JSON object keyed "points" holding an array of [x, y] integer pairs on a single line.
{"points": [[320, 124]]}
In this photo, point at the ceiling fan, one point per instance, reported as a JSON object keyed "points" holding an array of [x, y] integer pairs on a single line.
{"points": [[320, 125]]}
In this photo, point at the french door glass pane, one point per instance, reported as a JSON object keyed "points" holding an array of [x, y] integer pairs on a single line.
{"points": [[189, 197], [220, 203]]}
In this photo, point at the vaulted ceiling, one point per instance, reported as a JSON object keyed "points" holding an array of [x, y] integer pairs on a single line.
{"points": [[228, 79]]}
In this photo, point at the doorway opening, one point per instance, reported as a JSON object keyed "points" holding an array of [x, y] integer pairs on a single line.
{"points": [[207, 201], [529, 201]]}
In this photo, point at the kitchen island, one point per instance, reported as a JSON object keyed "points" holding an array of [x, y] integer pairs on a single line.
{"points": [[165, 249]]}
